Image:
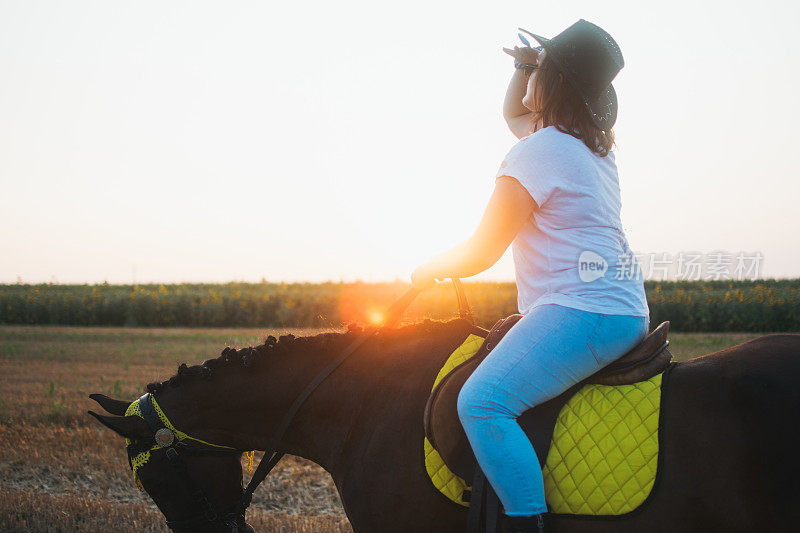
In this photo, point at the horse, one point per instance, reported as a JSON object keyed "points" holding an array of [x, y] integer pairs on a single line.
{"points": [[729, 436]]}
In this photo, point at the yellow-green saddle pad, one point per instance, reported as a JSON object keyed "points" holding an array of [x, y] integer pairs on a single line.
{"points": [[603, 457]]}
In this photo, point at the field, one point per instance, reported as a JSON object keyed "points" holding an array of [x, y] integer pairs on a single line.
{"points": [[60, 471], [690, 306]]}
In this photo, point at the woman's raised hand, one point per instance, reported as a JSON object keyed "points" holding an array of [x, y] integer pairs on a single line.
{"points": [[525, 55]]}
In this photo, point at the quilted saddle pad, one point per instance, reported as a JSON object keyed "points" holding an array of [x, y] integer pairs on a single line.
{"points": [[603, 457]]}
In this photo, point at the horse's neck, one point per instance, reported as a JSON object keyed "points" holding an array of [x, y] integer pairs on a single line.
{"points": [[378, 379], [244, 409]]}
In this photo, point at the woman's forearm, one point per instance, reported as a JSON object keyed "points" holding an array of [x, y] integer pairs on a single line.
{"points": [[512, 106], [462, 261]]}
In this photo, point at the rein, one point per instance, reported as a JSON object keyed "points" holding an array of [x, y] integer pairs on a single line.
{"points": [[165, 436], [395, 312]]}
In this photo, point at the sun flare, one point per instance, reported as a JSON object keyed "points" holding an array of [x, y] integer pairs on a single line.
{"points": [[375, 316]]}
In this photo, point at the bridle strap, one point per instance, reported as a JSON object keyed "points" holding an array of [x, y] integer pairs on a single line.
{"points": [[199, 497], [272, 455], [190, 444], [262, 471], [149, 413], [210, 515]]}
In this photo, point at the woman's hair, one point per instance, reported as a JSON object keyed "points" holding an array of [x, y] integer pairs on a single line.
{"points": [[560, 105]]}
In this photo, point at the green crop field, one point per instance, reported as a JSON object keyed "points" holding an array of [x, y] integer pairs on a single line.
{"points": [[714, 306]]}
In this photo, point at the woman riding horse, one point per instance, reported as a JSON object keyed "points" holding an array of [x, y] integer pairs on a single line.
{"points": [[557, 197], [727, 450]]}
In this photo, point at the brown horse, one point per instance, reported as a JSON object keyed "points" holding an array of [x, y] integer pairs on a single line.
{"points": [[729, 440]]}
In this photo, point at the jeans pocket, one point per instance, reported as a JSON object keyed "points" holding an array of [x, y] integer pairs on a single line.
{"points": [[594, 354]]}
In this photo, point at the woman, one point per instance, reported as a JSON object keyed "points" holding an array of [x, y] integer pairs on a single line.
{"points": [[557, 198]]}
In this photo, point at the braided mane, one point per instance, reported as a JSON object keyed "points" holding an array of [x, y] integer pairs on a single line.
{"points": [[284, 344]]}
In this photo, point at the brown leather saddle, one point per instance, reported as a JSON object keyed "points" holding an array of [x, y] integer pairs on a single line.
{"points": [[443, 428]]}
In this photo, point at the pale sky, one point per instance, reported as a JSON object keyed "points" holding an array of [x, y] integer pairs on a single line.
{"points": [[218, 141]]}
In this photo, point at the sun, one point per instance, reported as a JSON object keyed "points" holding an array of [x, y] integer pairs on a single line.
{"points": [[375, 317]]}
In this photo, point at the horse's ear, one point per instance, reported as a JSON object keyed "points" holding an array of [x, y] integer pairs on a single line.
{"points": [[131, 427], [115, 407]]}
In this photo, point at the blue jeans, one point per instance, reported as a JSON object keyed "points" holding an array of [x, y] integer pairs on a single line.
{"points": [[550, 349]]}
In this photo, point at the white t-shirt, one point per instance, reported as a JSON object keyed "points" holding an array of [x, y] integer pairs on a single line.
{"points": [[572, 251]]}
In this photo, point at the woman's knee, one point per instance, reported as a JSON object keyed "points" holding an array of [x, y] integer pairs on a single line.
{"points": [[468, 401], [478, 400]]}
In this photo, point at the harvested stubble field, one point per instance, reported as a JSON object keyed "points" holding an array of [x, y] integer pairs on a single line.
{"points": [[61, 471]]}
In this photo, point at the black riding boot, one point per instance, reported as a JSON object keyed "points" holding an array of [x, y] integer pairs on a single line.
{"points": [[525, 524]]}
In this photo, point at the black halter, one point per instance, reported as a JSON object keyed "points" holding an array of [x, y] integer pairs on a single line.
{"points": [[233, 516]]}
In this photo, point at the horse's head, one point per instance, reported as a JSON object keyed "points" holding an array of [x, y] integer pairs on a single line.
{"points": [[197, 485], [186, 436]]}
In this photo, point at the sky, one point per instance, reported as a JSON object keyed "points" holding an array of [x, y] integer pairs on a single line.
{"points": [[311, 141]]}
